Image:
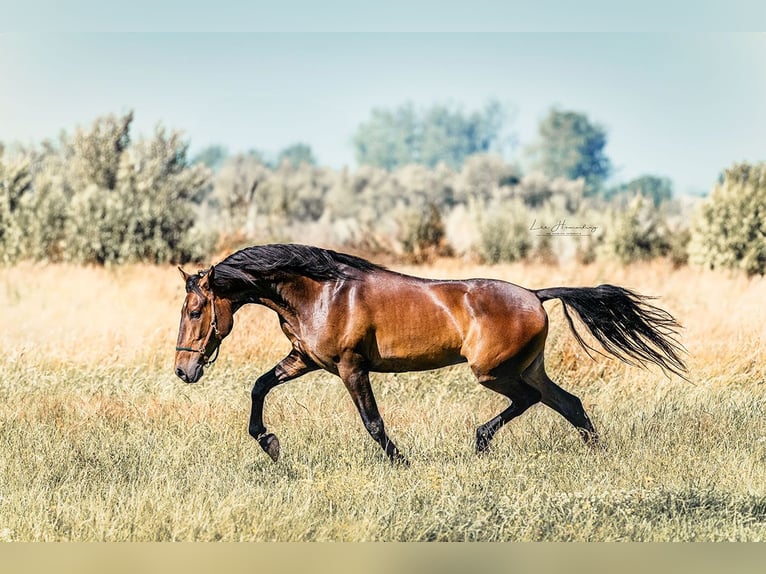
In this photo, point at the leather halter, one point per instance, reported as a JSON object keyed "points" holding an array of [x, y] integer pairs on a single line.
{"points": [[203, 348]]}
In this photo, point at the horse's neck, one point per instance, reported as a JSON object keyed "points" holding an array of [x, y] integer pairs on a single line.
{"points": [[289, 297]]}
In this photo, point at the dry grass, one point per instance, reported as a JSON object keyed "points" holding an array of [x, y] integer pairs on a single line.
{"points": [[99, 441]]}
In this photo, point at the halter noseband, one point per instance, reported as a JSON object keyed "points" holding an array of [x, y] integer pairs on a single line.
{"points": [[213, 329]]}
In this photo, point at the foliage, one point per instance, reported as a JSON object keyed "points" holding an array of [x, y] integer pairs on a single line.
{"points": [[97, 197], [637, 232], [483, 177], [571, 146], [15, 183], [658, 189], [424, 233], [374, 209], [212, 156], [296, 154], [234, 188], [392, 138], [729, 231], [504, 233]]}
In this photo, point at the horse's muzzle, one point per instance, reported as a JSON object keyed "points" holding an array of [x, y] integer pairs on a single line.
{"points": [[190, 377]]}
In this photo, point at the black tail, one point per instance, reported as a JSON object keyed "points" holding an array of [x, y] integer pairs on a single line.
{"points": [[624, 323]]}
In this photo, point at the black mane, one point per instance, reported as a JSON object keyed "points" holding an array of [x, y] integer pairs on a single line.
{"points": [[278, 261]]}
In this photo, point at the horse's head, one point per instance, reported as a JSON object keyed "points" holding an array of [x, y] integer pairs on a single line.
{"points": [[205, 321]]}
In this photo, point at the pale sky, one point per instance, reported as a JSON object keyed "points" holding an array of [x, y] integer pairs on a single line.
{"points": [[683, 105]]}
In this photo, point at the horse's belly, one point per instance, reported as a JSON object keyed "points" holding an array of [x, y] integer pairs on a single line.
{"points": [[418, 363], [415, 347]]}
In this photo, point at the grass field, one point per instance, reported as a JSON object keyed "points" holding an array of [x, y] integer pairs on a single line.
{"points": [[100, 441]]}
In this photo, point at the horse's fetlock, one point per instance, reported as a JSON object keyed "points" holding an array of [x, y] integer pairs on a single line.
{"points": [[256, 431], [375, 428]]}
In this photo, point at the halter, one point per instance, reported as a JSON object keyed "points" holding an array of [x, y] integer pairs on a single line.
{"points": [[203, 348]]}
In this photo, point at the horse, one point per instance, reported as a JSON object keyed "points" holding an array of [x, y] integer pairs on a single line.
{"points": [[351, 317]]}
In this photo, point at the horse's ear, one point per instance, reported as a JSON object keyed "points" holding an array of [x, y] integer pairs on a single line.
{"points": [[206, 280], [184, 274]]}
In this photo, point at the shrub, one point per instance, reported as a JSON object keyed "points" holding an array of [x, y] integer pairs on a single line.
{"points": [[637, 233], [96, 197], [503, 233], [424, 234], [144, 209], [729, 230]]}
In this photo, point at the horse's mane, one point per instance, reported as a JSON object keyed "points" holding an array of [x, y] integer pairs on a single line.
{"points": [[278, 261]]}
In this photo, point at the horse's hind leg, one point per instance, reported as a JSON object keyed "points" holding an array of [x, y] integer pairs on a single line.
{"points": [[522, 397], [564, 403]]}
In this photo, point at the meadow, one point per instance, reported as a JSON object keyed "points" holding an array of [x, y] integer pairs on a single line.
{"points": [[99, 441]]}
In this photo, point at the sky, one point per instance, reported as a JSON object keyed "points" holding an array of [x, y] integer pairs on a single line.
{"points": [[683, 105]]}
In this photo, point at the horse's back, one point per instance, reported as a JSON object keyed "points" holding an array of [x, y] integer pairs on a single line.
{"points": [[423, 324]]}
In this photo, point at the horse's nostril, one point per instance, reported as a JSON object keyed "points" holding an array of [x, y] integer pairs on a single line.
{"points": [[182, 374]]}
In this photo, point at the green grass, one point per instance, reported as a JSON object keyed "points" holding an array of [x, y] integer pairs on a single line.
{"points": [[100, 442], [121, 454]]}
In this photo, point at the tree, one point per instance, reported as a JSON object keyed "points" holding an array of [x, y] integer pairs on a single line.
{"points": [[212, 156], [450, 137], [440, 134], [570, 146], [297, 154], [389, 139], [729, 231], [658, 189]]}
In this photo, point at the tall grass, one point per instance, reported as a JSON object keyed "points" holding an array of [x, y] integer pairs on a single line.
{"points": [[99, 441]]}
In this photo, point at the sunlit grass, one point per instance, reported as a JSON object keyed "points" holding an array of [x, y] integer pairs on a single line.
{"points": [[100, 441]]}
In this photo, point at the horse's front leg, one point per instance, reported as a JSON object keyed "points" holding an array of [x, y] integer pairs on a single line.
{"points": [[292, 366]]}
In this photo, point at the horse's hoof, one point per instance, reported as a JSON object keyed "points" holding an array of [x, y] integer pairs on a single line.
{"points": [[270, 444], [400, 460], [591, 439]]}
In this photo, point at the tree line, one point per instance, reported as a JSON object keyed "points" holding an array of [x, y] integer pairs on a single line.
{"points": [[432, 181]]}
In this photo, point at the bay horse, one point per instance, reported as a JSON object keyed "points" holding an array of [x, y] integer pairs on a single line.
{"points": [[351, 317]]}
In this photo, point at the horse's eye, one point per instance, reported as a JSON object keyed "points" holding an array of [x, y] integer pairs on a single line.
{"points": [[195, 314]]}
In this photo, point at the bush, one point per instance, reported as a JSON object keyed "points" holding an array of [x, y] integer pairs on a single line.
{"points": [[15, 182], [424, 234], [504, 234], [729, 231], [638, 233], [99, 198]]}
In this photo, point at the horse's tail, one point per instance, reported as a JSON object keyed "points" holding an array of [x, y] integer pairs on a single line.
{"points": [[625, 325]]}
